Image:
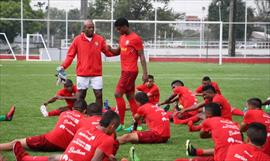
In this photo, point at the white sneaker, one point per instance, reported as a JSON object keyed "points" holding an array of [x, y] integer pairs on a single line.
{"points": [[43, 110]]}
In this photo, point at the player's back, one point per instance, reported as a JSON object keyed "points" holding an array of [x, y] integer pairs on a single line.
{"points": [[89, 121], [186, 97], [225, 106], [154, 91]]}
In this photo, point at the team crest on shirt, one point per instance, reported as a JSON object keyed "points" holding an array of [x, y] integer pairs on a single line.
{"points": [[96, 43], [127, 42]]}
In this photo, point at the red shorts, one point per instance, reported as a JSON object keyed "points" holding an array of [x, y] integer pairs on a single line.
{"points": [[151, 137], [126, 83], [40, 143]]}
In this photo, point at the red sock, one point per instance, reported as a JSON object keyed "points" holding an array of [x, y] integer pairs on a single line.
{"points": [[54, 113], [238, 112], [35, 158], [199, 152], [121, 106], [182, 159], [194, 127], [185, 121], [133, 106]]}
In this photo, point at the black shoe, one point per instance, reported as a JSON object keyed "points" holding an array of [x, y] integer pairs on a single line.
{"points": [[190, 150], [166, 108]]}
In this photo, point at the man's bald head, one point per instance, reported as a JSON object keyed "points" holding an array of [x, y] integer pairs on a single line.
{"points": [[88, 28], [87, 22]]}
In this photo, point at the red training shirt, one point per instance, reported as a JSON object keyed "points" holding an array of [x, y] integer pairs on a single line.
{"points": [[153, 92], [156, 119], [224, 132], [130, 45], [85, 143], [88, 53], [248, 152], [91, 121], [214, 84], [65, 128], [65, 93]]}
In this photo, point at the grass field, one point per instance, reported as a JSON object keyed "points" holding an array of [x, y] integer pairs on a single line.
{"points": [[29, 84]]}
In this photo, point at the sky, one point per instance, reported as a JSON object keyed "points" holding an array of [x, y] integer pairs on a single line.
{"points": [[190, 7]]}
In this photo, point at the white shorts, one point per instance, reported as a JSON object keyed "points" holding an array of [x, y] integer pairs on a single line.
{"points": [[86, 82]]}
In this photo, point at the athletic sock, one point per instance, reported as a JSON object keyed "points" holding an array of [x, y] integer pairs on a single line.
{"points": [[193, 127], [35, 158], [199, 152], [54, 113], [237, 112], [121, 106], [2, 117], [133, 106]]}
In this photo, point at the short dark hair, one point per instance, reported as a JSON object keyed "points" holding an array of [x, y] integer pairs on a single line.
{"points": [[141, 97], [94, 109], [150, 77], [80, 105], [68, 83], [177, 81], [109, 117], [255, 102], [257, 133], [206, 78], [209, 88], [121, 22], [213, 108]]}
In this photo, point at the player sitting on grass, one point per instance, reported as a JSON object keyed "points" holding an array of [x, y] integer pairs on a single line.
{"points": [[68, 93], [156, 119], [9, 115], [252, 150], [185, 99], [94, 143], [206, 81], [256, 114], [224, 133], [151, 89], [58, 138]]}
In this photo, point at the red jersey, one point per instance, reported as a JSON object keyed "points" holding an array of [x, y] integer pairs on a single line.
{"points": [[88, 122], [88, 53], [85, 143], [225, 106], [258, 115], [130, 45], [65, 128], [156, 119], [65, 93], [246, 152], [224, 132], [214, 84], [153, 92], [185, 96]]}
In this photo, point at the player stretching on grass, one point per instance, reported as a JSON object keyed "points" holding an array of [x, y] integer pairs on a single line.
{"points": [[93, 143], [9, 115], [224, 133], [250, 151], [156, 120], [68, 93], [256, 114], [58, 138], [130, 48]]}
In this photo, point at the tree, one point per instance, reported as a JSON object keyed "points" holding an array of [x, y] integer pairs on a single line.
{"points": [[12, 9]]}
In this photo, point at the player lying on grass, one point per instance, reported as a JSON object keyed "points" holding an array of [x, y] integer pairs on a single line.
{"points": [[58, 138], [68, 93], [9, 115], [185, 99], [256, 114], [252, 150], [156, 119], [94, 143], [223, 132], [151, 89]]}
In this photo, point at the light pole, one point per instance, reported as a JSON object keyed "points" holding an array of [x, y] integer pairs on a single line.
{"points": [[48, 24], [245, 30], [21, 27], [219, 9]]}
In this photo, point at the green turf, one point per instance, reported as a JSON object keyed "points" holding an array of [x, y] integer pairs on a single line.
{"points": [[29, 84]]}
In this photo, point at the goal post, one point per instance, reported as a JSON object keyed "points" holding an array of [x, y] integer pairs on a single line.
{"points": [[9, 46], [34, 44]]}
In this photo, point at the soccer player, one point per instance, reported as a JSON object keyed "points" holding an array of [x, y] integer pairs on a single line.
{"points": [[185, 99], [93, 143], [88, 47], [250, 151], [130, 48], [156, 120], [57, 139], [256, 114], [68, 93], [207, 81], [224, 133], [9, 115], [151, 89]]}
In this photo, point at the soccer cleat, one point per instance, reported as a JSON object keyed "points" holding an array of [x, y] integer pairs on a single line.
{"points": [[44, 111], [190, 150], [133, 154], [106, 105], [10, 114], [61, 75], [130, 129], [18, 151], [166, 108], [120, 128]]}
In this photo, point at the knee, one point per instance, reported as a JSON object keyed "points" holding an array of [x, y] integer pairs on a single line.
{"points": [[117, 95]]}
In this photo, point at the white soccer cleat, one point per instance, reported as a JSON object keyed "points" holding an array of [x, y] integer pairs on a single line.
{"points": [[43, 110]]}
